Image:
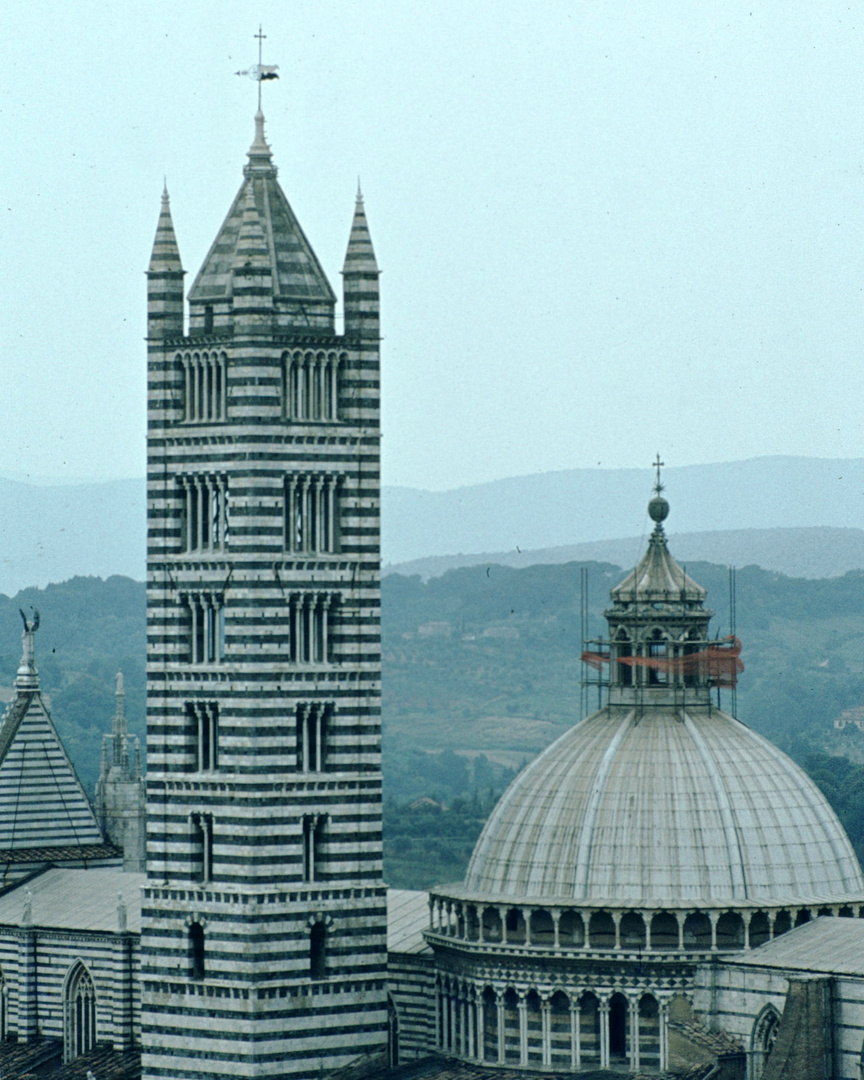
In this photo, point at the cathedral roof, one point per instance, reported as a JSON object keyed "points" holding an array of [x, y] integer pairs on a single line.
{"points": [[42, 802], [664, 807], [660, 798], [296, 273], [66, 899]]}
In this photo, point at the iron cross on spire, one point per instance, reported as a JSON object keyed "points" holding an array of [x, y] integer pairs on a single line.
{"points": [[658, 465], [261, 72]]}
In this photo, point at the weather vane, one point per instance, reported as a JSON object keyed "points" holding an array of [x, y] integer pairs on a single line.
{"points": [[260, 72], [658, 465]]}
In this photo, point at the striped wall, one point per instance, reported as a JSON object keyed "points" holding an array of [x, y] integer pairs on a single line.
{"points": [[52, 955], [42, 803], [263, 946]]}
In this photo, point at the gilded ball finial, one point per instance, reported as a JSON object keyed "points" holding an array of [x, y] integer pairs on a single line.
{"points": [[658, 509]]}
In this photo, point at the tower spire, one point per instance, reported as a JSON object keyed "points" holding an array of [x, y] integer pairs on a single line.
{"points": [[360, 277], [165, 277]]}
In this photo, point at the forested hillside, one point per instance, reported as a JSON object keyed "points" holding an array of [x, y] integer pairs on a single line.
{"points": [[481, 672]]}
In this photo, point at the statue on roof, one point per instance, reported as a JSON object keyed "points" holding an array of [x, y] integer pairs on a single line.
{"points": [[28, 657]]}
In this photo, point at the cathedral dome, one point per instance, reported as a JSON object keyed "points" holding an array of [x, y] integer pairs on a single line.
{"points": [[660, 798], [671, 806]]}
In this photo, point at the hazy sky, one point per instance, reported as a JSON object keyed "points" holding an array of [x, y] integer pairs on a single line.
{"points": [[604, 227]]}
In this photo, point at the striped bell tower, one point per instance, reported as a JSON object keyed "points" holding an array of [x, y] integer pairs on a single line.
{"points": [[264, 937]]}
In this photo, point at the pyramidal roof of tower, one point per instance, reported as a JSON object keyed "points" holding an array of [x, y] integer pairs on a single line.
{"points": [[360, 256], [658, 577], [165, 255], [42, 803], [295, 271]]}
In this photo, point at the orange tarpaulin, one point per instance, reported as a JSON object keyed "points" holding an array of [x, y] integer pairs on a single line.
{"points": [[720, 663]]}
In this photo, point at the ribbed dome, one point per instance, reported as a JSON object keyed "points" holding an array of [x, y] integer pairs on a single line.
{"points": [[659, 807]]}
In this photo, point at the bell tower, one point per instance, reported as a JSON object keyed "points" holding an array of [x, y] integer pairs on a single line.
{"points": [[264, 923]]}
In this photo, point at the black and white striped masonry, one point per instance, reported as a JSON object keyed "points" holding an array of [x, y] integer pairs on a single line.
{"points": [[263, 948]]}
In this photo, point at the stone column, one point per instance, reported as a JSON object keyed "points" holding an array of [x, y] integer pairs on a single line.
{"points": [[223, 510], [663, 1022], [325, 629], [187, 391], [556, 922], [334, 390], [714, 917], [122, 990], [28, 1002], [193, 607], [616, 918], [470, 1017], [303, 711], [523, 1029], [680, 919], [451, 1021], [546, 1029], [499, 1003], [604, 1034], [200, 720], [480, 1025], [480, 911], [575, 1035], [634, 1034]]}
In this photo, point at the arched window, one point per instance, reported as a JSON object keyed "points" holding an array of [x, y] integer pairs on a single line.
{"points": [[318, 951], [489, 1050], [515, 927], [601, 931], [196, 951], [533, 1029], [632, 931], [542, 928], [649, 1031], [512, 1028], [560, 1034], [392, 1033], [763, 1038], [571, 929], [619, 1024], [759, 930], [79, 1033], [589, 1028]]}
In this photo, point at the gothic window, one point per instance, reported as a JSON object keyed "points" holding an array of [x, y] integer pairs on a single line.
{"points": [[764, 1036], [310, 385], [313, 722], [205, 626], [312, 618], [204, 512], [318, 951], [205, 397], [203, 718], [202, 848], [196, 951], [314, 826], [79, 1034], [311, 513], [208, 318]]}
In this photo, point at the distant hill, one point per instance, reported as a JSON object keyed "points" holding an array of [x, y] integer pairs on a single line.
{"points": [[49, 534], [804, 553], [579, 506]]}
